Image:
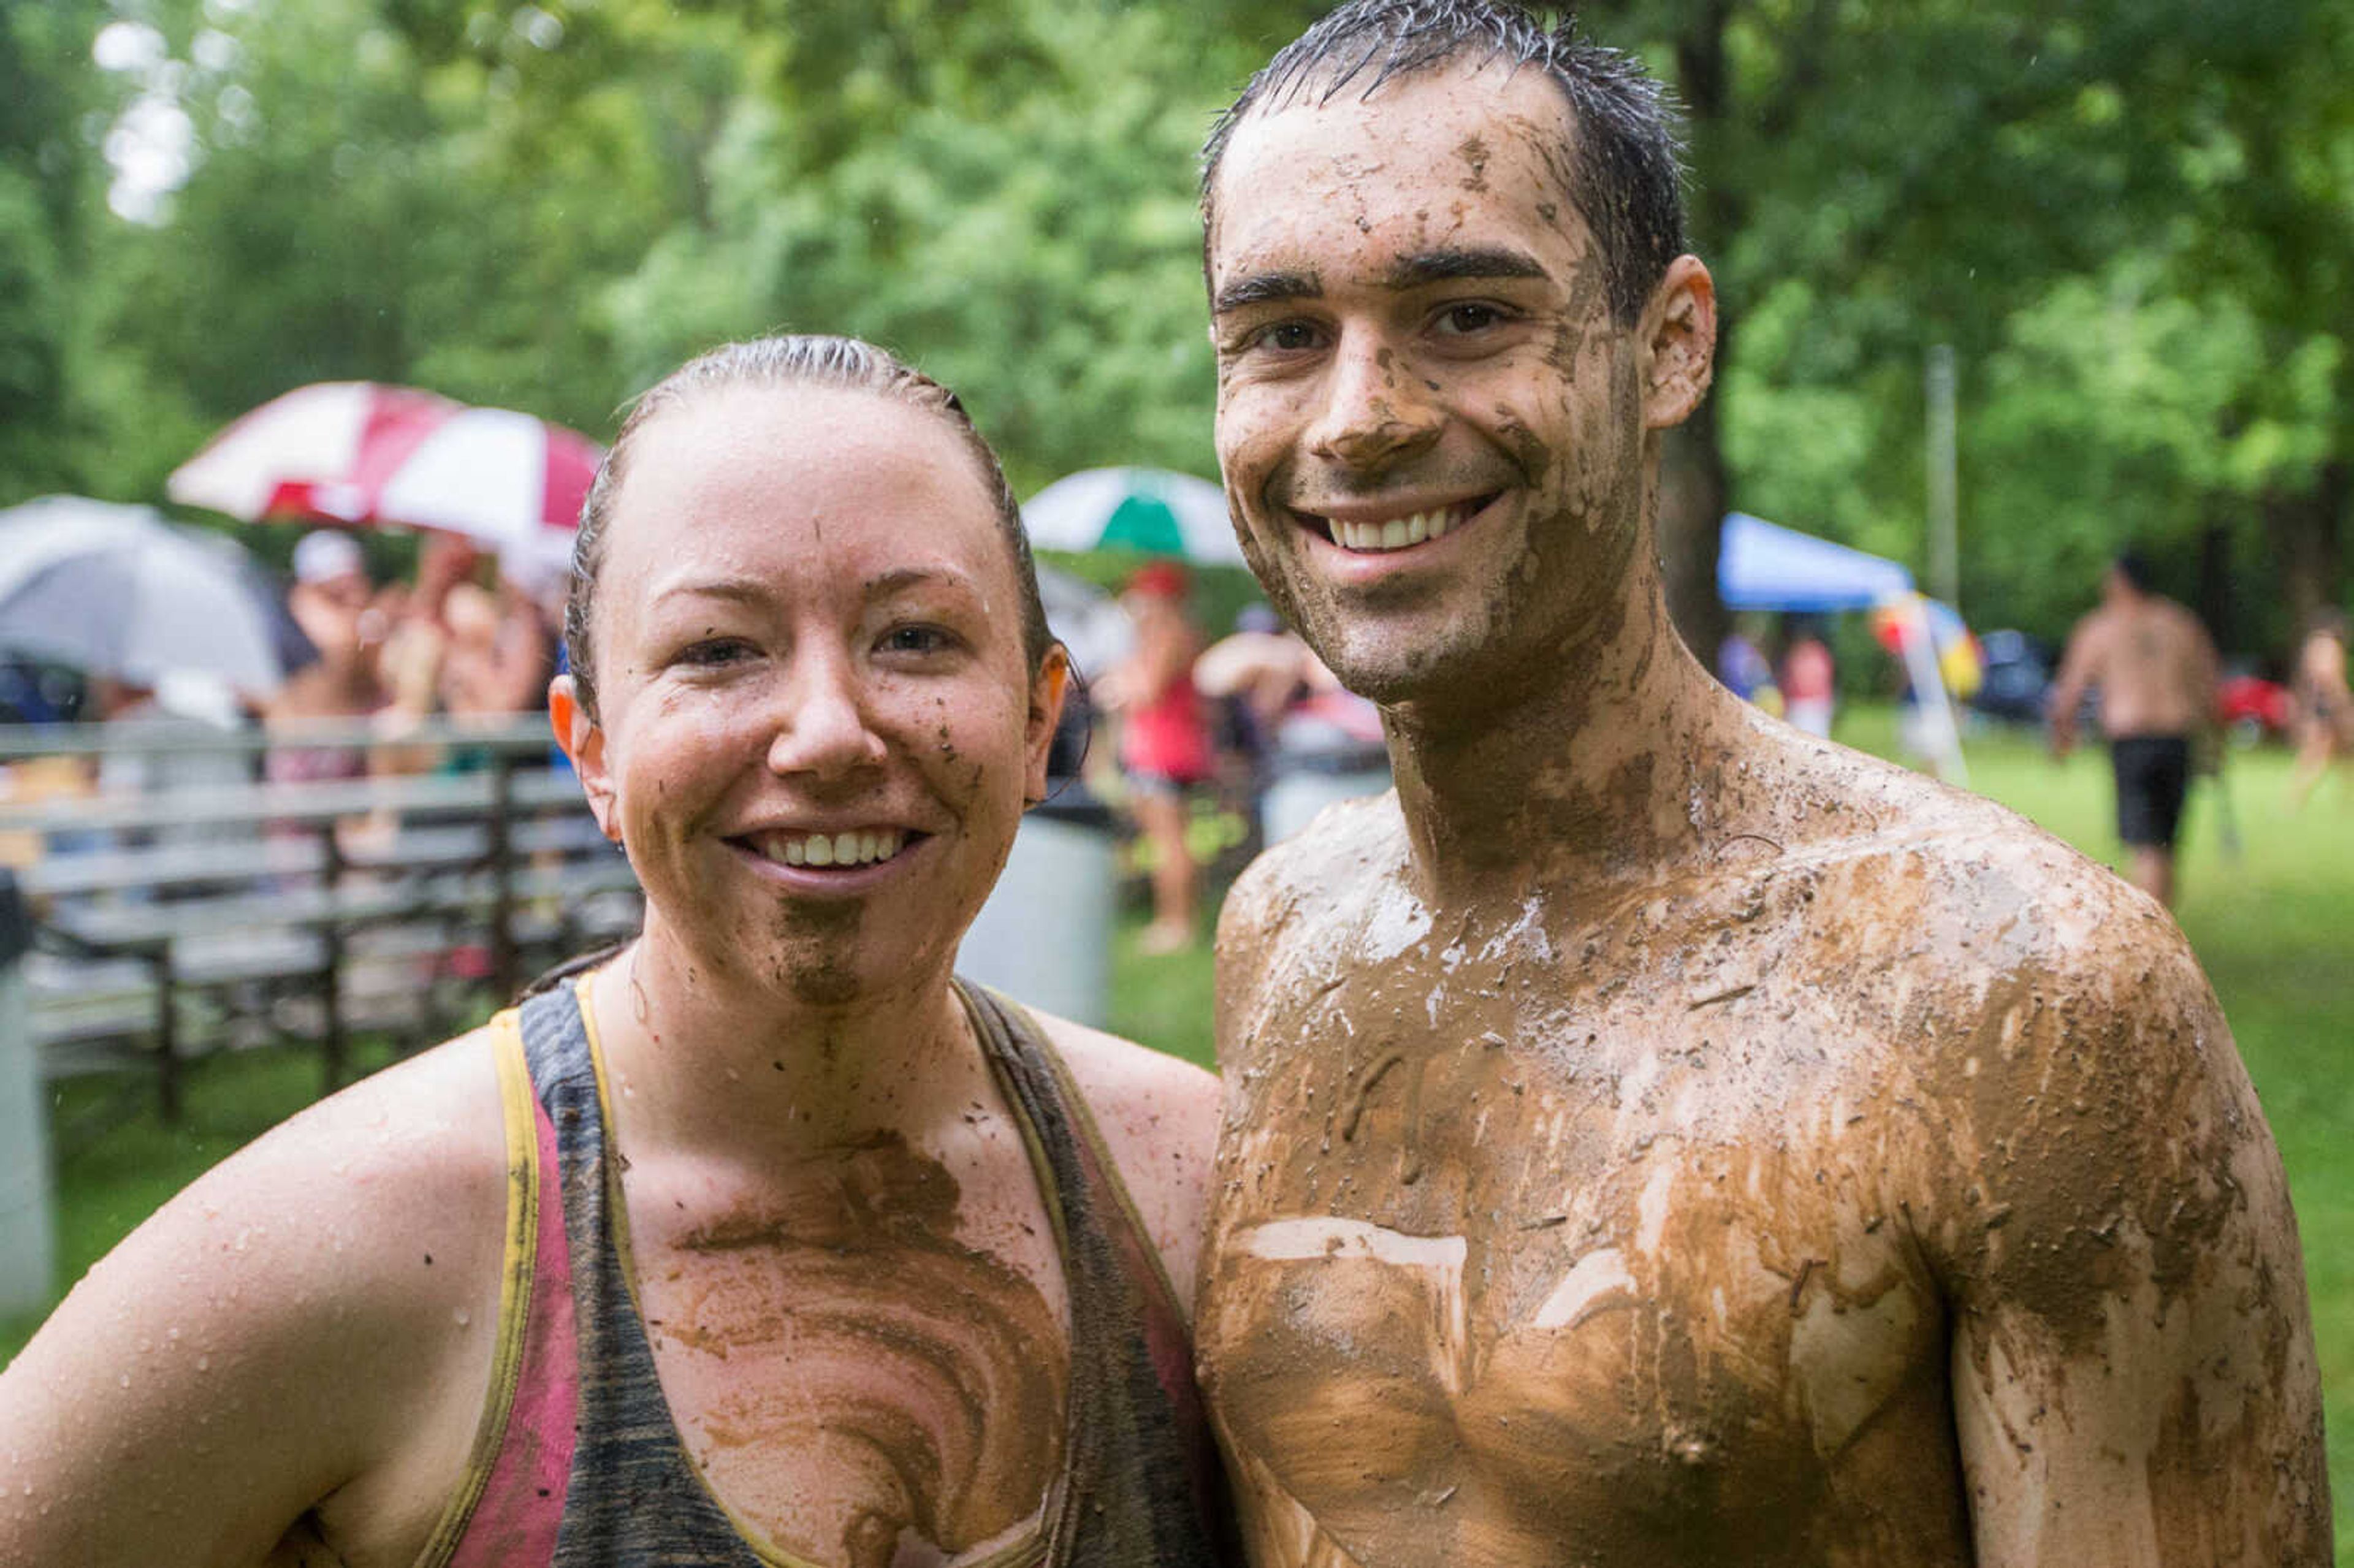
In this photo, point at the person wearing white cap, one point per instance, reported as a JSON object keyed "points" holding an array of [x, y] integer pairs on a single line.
{"points": [[333, 602]]}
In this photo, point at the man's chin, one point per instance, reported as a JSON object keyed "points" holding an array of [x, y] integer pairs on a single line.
{"points": [[1388, 673]]}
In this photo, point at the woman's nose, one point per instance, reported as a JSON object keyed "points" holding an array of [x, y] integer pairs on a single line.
{"points": [[825, 729]]}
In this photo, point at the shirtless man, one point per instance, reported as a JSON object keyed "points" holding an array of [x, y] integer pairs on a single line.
{"points": [[1654, 1136], [2156, 671]]}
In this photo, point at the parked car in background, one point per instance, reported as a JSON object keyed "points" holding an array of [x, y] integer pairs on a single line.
{"points": [[2019, 672], [2017, 677], [2250, 708], [33, 691]]}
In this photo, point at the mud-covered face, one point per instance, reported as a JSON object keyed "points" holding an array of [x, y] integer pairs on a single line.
{"points": [[1430, 427], [818, 723]]}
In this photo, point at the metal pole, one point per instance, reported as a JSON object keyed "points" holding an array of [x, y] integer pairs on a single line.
{"points": [[1944, 547]]}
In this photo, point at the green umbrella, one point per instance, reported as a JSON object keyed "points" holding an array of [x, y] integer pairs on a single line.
{"points": [[1148, 510]]}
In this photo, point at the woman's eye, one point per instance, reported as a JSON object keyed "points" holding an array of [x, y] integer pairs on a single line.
{"points": [[713, 651], [918, 639]]}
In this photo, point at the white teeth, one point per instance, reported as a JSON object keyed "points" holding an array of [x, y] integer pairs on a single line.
{"points": [[1397, 534], [863, 848]]}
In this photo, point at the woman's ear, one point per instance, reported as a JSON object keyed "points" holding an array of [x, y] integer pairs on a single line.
{"points": [[583, 741], [1049, 689]]}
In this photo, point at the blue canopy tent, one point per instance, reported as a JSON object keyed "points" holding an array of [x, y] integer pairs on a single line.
{"points": [[1760, 565]]}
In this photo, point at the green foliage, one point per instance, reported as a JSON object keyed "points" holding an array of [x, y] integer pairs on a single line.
{"points": [[1037, 249], [2130, 219]]}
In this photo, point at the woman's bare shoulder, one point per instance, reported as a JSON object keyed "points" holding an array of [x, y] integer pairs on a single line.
{"points": [[1159, 1116], [272, 1333]]}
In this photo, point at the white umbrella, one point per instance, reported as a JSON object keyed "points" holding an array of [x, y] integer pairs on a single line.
{"points": [[362, 452], [1146, 509], [116, 591], [1091, 623]]}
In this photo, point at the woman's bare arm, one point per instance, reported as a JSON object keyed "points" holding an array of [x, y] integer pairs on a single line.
{"points": [[305, 1320]]}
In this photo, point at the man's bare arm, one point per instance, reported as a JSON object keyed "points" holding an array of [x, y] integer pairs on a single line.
{"points": [[2079, 667], [2132, 1359]]}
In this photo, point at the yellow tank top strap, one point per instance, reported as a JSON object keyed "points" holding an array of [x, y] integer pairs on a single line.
{"points": [[518, 1258]]}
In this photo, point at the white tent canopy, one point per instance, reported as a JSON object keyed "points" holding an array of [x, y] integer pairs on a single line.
{"points": [[1762, 565]]}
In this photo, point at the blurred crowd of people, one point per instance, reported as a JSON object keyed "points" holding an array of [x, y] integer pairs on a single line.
{"points": [[449, 643], [1253, 720]]}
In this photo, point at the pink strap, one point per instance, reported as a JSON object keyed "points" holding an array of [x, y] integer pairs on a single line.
{"points": [[515, 1523]]}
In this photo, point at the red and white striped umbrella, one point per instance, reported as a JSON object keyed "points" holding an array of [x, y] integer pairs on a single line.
{"points": [[360, 452]]}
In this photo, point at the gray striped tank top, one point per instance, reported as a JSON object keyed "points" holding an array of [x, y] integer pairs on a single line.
{"points": [[1140, 1487]]}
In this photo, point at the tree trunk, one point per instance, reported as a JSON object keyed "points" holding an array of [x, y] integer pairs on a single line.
{"points": [[1692, 487], [1693, 481], [2214, 606], [2306, 531]]}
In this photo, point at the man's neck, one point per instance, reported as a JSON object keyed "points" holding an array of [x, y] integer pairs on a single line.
{"points": [[1598, 773]]}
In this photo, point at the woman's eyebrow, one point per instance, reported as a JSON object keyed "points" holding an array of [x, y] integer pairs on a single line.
{"points": [[901, 578], [742, 589]]}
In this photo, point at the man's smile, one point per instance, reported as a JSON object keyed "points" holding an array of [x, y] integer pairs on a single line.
{"points": [[1373, 530]]}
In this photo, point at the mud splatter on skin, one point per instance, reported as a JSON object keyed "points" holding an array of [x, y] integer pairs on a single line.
{"points": [[1650, 1136], [1716, 1262], [1474, 153], [912, 1383]]}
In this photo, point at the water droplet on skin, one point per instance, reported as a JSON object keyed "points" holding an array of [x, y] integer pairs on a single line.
{"points": [[123, 1381], [204, 1364], [172, 1333], [462, 1317]]}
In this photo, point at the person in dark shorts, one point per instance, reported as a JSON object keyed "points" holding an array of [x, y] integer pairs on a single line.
{"points": [[2153, 773], [2155, 669]]}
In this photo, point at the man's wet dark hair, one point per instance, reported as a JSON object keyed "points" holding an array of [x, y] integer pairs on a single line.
{"points": [[785, 362], [1622, 135], [2130, 566]]}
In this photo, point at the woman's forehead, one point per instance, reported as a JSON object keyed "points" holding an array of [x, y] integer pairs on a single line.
{"points": [[744, 475]]}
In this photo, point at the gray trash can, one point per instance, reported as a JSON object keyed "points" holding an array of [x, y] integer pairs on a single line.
{"points": [[27, 1216], [1045, 936], [1305, 782]]}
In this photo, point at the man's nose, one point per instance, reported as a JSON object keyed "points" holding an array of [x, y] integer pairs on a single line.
{"points": [[1374, 413], [825, 730]]}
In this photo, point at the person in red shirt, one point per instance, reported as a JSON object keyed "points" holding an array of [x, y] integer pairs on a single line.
{"points": [[1165, 747], [1808, 688]]}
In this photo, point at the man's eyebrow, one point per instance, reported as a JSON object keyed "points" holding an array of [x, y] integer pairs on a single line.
{"points": [[1478, 261], [1266, 287]]}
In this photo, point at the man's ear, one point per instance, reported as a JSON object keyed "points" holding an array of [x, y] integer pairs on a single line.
{"points": [[1679, 328], [583, 741], [1048, 691]]}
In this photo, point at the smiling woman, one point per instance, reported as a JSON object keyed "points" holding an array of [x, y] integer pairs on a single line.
{"points": [[765, 1240]]}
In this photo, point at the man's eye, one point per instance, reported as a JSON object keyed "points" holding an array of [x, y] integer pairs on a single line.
{"points": [[1461, 321], [1287, 337]]}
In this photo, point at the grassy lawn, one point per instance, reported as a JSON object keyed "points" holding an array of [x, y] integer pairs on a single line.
{"points": [[2274, 926]]}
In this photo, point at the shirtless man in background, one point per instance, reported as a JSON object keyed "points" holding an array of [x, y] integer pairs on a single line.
{"points": [[1654, 1137], [2156, 671]]}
